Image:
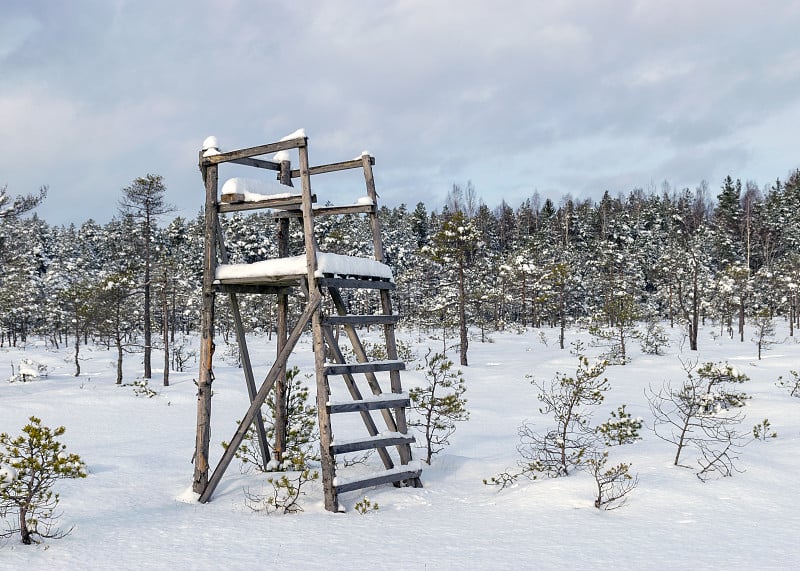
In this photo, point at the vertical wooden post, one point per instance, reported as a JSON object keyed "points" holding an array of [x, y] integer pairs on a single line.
{"points": [[374, 223], [327, 461], [206, 374], [281, 419]]}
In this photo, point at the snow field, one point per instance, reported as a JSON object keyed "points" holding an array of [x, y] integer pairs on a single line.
{"points": [[131, 512]]}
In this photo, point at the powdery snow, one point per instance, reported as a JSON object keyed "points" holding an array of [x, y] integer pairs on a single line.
{"points": [[255, 190], [327, 263], [300, 133], [131, 512]]}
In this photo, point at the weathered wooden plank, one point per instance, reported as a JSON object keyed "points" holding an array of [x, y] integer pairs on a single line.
{"points": [[371, 367], [370, 443], [236, 204], [205, 375], [355, 283], [333, 167], [258, 163], [251, 288], [392, 401], [230, 156], [387, 478], [360, 319], [326, 211]]}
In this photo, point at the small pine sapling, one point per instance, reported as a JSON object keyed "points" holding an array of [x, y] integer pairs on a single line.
{"points": [[613, 483], [366, 506], [30, 465], [301, 430], [763, 430], [792, 385], [764, 332], [287, 489], [569, 400], [142, 388], [653, 339], [716, 377], [439, 404], [621, 428], [696, 416]]}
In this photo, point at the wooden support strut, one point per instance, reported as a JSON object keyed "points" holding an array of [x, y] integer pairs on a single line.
{"points": [[244, 355], [261, 396]]}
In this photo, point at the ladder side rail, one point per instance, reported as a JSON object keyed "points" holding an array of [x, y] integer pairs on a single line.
{"points": [[327, 460]]}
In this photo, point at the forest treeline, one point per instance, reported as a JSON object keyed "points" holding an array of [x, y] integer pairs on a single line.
{"points": [[670, 256]]}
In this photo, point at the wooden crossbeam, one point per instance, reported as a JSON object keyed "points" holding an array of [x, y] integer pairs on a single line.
{"points": [[231, 156], [261, 396], [333, 167]]}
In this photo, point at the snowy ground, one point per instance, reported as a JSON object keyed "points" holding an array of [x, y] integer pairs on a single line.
{"points": [[128, 514]]}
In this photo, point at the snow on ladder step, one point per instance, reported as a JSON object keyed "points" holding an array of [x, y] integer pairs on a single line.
{"points": [[361, 319], [398, 474], [381, 440], [370, 367], [376, 402]]}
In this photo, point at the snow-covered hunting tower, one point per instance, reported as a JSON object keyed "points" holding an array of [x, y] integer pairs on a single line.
{"points": [[317, 281]]}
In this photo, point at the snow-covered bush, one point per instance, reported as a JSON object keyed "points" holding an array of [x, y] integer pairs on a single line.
{"points": [[28, 370], [30, 464]]}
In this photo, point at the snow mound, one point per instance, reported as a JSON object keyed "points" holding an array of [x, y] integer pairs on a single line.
{"points": [[255, 190]]}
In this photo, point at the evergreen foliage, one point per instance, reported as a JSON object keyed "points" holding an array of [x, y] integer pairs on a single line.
{"points": [[439, 404], [30, 465]]}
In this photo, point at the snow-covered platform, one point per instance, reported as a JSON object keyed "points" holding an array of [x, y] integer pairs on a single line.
{"points": [[289, 271]]}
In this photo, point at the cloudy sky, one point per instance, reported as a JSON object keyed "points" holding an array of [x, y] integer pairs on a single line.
{"points": [[559, 96]]}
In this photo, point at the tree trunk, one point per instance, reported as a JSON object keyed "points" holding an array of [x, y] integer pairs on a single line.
{"points": [[23, 526], [165, 313], [148, 334], [77, 346], [462, 316]]}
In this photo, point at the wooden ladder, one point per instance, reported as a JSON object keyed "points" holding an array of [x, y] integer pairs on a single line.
{"points": [[331, 365]]}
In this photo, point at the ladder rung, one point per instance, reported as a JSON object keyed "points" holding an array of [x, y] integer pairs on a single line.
{"points": [[355, 283], [378, 441], [361, 319], [371, 367], [404, 473], [387, 400]]}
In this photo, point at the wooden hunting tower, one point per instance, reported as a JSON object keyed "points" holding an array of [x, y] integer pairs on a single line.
{"points": [[317, 281]]}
